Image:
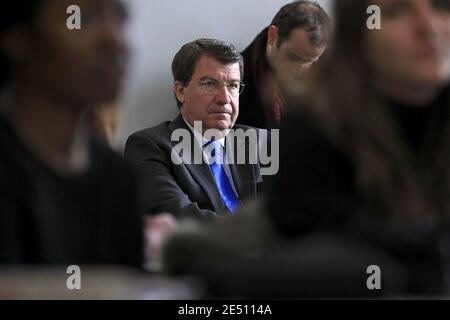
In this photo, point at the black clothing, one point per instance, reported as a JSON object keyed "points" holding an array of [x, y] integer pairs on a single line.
{"points": [[91, 218], [315, 192], [415, 122]]}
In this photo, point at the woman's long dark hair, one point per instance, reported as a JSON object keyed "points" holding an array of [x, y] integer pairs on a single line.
{"points": [[340, 99]]}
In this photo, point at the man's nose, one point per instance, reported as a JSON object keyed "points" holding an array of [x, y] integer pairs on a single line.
{"points": [[223, 96]]}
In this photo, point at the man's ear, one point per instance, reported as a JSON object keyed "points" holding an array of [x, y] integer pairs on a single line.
{"points": [[16, 44], [272, 36], [179, 88]]}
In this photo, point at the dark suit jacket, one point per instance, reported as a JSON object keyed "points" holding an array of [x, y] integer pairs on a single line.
{"points": [[185, 189]]}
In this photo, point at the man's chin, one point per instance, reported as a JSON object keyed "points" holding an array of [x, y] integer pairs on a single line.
{"points": [[220, 125], [218, 129]]}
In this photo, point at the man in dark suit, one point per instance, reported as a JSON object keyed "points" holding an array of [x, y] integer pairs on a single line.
{"points": [[203, 179], [296, 38]]}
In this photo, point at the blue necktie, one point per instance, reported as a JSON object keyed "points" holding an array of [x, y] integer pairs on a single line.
{"points": [[227, 193]]}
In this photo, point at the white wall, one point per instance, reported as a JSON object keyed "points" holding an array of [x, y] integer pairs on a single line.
{"points": [[158, 28]]}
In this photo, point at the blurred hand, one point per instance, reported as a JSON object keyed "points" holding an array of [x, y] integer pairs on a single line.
{"points": [[156, 229]]}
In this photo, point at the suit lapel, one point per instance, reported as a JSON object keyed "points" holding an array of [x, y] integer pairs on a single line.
{"points": [[200, 172], [243, 174]]}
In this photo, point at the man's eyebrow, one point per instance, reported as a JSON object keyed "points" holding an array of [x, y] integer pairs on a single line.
{"points": [[300, 57], [307, 58], [214, 79], [208, 78]]}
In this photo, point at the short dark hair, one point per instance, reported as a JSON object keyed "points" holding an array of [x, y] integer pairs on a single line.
{"points": [[303, 14], [187, 57], [14, 13]]}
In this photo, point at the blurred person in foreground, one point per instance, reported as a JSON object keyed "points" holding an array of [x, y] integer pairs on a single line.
{"points": [[364, 169], [65, 197], [371, 160]]}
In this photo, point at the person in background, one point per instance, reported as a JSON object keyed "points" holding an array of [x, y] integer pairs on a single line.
{"points": [[65, 197], [295, 40]]}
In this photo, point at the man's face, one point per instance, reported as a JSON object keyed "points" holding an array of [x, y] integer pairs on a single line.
{"points": [[294, 56], [413, 45], [217, 110], [82, 66]]}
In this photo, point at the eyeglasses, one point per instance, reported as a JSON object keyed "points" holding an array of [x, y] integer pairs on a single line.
{"points": [[212, 86]]}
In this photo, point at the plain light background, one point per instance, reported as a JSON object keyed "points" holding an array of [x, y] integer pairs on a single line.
{"points": [[158, 29]]}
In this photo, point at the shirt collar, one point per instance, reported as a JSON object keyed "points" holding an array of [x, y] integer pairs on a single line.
{"points": [[199, 137]]}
